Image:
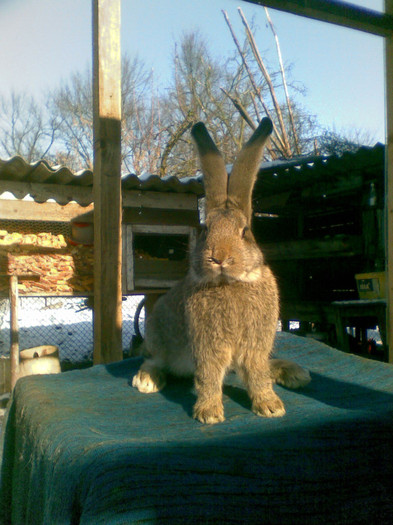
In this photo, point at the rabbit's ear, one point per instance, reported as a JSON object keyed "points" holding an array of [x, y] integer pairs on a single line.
{"points": [[213, 168], [245, 169]]}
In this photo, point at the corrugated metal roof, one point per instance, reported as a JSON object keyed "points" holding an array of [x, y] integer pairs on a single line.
{"points": [[298, 174], [169, 183], [17, 169], [20, 177]]}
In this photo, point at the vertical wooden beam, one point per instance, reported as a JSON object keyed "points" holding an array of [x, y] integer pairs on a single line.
{"points": [[14, 338], [389, 182], [107, 182]]}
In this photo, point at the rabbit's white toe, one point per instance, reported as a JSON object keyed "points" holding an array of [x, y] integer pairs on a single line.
{"points": [[148, 383], [208, 412], [268, 406]]}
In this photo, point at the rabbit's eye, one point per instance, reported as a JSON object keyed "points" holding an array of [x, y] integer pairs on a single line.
{"points": [[244, 231]]}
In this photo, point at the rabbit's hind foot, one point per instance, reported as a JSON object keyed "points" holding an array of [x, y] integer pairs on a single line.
{"points": [[209, 411], [268, 405], [288, 373], [149, 380]]}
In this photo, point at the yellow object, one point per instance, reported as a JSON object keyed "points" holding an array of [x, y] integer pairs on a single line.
{"points": [[371, 285]]}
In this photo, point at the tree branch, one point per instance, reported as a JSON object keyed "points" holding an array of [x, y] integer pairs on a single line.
{"points": [[295, 137], [252, 80], [258, 58], [184, 126]]}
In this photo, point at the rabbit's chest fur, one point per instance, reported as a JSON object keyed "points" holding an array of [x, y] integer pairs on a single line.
{"points": [[234, 315]]}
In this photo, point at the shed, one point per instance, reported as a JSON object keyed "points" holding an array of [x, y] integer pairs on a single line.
{"points": [[306, 211], [318, 219], [44, 241], [61, 205]]}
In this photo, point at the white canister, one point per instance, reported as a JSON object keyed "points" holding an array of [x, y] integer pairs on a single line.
{"points": [[39, 360]]}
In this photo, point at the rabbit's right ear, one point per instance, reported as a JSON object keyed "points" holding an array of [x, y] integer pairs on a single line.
{"points": [[213, 168], [245, 169]]}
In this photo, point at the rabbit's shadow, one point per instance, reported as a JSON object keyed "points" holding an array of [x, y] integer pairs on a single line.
{"points": [[182, 392], [326, 390]]}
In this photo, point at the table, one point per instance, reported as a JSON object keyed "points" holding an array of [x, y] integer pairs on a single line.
{"points": [[84, 447]]}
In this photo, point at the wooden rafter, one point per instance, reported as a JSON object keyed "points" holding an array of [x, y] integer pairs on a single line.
{"points": [[335, 12]]}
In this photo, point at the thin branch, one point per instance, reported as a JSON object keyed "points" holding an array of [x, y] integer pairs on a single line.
{"points": [[247, 118], [252, 80], [184, 126], [241, 109], [256, 109], [258, 58], [295, 137]]}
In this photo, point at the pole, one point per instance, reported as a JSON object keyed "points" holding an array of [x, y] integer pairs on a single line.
{"points": [[107, 181]]}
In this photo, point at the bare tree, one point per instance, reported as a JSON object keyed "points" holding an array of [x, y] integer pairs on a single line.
{"points": [[25, 129], [193, 95], [231, 95], [331, 142], [141, 125], [262, 92], [72, 105]]}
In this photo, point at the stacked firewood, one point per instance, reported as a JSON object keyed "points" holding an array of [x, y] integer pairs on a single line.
{"points": [[56, 265]]}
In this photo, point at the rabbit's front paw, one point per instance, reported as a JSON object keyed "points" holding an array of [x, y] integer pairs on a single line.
{"points": [[148, 382], [268, 406], [208, 412]]}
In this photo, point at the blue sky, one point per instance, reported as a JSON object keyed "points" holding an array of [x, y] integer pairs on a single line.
{"points": [[44, 41]]}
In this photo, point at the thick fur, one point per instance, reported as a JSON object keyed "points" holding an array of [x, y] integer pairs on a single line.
{"points": [[224, 314]]}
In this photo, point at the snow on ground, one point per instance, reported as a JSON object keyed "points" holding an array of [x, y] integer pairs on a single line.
{"points": [[60, 321]]}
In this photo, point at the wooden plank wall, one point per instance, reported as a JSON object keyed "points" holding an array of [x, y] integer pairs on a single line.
{"points": [[45, 211]]}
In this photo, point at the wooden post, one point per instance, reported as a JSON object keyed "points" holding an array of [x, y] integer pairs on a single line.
{"points": [[389, 183], [107, 182], [14, 339]]}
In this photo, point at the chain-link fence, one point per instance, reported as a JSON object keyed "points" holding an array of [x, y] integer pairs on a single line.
{"points": [[62, 321], [43, 247]]}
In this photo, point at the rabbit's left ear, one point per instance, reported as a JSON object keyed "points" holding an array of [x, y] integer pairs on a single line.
{"points": [[213, 167], [246, 167]]}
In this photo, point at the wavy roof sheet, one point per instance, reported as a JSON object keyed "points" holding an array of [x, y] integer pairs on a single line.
{"points": [[20, 177]]}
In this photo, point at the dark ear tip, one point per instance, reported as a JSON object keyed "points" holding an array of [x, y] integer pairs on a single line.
{"points": [[203, 139], [198, 128], [266, 125], [262, 132]]}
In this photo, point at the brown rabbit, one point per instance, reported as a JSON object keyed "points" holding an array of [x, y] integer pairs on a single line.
{"points": [[224, 313]]}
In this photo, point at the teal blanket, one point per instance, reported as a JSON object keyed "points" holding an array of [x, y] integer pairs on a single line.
{"points": [[85, 447]]}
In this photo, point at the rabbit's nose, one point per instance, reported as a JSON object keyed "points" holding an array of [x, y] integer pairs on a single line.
{"points": [[216, 260], [221, 259]]}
